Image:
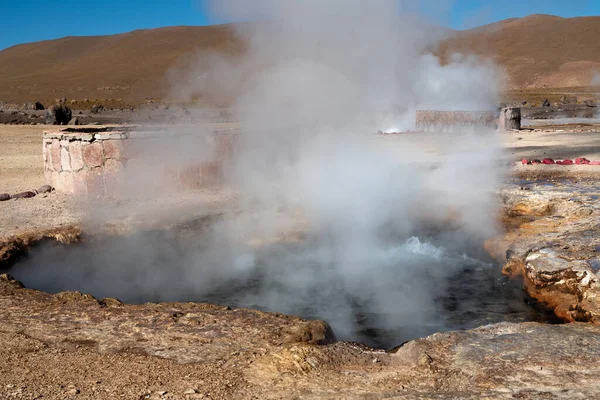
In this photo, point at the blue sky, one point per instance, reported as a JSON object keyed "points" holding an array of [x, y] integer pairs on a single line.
{"points": [[23, 21]]}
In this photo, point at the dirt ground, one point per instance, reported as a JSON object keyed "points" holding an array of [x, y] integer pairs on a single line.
{"points": [[69, 346], [21, 159], [553, 142], [21, 169]]}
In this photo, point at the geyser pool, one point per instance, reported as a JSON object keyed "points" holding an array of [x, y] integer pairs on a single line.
{"points": [[462, 291]]}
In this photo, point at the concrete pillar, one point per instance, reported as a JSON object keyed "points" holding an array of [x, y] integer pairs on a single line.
{"points": [[510, 118]]}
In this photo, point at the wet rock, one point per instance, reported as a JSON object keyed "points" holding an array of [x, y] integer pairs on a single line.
{"points": [[23, 195], [45, 189], [4, 196], [556, 252], [58, 114], [563, 285]]}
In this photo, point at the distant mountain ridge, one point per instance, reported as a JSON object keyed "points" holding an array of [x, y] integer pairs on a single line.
{"points": [[538, 51]]}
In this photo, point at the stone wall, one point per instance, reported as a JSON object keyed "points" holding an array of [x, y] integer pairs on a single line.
{"points": [[90, 161], [449, 121]]}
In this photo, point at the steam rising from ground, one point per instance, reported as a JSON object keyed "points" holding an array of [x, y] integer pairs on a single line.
{"points": [[374, 224]]}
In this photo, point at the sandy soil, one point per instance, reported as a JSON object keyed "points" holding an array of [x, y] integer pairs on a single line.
{"points": [[21, 163], [21, 169], [554, 142]]}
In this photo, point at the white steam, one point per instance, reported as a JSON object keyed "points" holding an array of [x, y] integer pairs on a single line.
{"points": [[377, 224]]}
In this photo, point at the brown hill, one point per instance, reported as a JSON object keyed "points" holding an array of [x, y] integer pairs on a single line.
{"points": [[129, 66], [538, 51]]}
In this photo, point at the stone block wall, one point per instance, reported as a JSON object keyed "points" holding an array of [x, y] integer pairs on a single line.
{"points": [[91, 161], [451, 121]]}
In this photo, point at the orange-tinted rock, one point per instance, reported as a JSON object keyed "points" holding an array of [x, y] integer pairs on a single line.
{"points": [[556, 253], [93, 155]]}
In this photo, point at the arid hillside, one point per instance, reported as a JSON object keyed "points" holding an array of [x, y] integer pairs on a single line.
{"points": [[130, 66], [539, 52]]}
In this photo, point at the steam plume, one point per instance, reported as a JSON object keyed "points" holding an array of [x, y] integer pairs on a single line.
{"points": [[378, 224]]}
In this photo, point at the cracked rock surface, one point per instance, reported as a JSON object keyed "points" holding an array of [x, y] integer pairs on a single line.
{"points": [[556, 248], [71, 345]]}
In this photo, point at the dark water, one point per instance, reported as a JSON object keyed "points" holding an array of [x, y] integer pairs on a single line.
{"points": [[416, 292]]}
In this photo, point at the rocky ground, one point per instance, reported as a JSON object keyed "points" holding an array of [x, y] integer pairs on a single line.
{"points": [[71, 345], [556, 249]]}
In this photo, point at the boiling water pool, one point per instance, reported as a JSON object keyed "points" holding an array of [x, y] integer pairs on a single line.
{"points": [[377, 294]]}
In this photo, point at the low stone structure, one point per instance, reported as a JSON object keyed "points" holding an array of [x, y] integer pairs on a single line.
{"points": [[510, 119], [453, 121], [89, 160], [449, 121]]}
